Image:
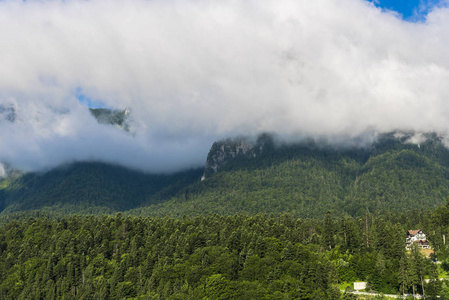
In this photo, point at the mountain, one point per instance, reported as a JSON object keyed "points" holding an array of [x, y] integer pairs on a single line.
{"points": [[89, 187], [119, 118], [399, 172], [309, 178]]}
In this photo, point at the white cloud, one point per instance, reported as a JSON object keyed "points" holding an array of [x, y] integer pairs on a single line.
{"points": [[197, 71]]}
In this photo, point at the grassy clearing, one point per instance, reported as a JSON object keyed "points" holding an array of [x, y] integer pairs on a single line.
{"points": [[426, 252], [343, 285]]}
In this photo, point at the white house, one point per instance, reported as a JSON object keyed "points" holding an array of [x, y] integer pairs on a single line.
{"points": [[416, 237]]}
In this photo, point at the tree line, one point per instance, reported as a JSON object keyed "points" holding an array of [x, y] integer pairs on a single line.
{"points": [[219, 257]]}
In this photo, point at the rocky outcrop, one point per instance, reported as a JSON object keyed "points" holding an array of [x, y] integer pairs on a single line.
{"points": [[119, 118], [223, 153]]}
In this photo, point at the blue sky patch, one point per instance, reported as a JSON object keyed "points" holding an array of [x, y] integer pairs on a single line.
{"points": [[410, 10], [83, 99]]}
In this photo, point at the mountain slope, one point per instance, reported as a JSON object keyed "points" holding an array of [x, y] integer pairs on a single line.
{"points": [[245, 176], [89, 188], [308, 180]]}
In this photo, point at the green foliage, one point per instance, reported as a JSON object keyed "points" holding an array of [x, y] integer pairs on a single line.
{"points": [[354, 208], [308, 180], [89, 188], [212, 257]]}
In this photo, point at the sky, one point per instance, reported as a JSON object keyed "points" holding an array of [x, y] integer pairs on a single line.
{"points": [[196, 71], [410, 10]]}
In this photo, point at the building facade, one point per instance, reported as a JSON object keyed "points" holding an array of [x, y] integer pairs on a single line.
{"points": [[417, 237]]}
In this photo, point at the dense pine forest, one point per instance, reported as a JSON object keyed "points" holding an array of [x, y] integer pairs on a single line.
{"points": [[89, 188], [219, 257]]}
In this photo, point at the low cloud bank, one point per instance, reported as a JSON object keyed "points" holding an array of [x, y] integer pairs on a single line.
{"points": [[197, 71]]}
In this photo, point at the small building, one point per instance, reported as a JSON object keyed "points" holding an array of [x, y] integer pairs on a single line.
{"points": [[417, 237], [359, 285]]}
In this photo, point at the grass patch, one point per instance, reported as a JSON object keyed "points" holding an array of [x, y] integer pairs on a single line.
{"points": [[426, 252], [343, 285]]}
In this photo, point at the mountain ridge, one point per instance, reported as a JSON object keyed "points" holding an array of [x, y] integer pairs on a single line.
{"points": [[306, 179]]}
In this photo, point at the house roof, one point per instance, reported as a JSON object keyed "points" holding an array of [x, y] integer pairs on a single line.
{"points": [[413, 232]]}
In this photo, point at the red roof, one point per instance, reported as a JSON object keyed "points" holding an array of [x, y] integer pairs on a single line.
{"points": [[413, 232]]}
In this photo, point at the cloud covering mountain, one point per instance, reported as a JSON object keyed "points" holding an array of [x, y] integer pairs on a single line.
{"points": [[197, 71]]}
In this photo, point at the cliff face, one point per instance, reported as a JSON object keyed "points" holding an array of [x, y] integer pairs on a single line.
{"points": [[228, 153], [229, 150], [119, 118]]}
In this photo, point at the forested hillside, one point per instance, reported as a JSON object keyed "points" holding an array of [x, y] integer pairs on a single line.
{"points": [[306, 179], [309, 179], [219, 257], [89, 188]]}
